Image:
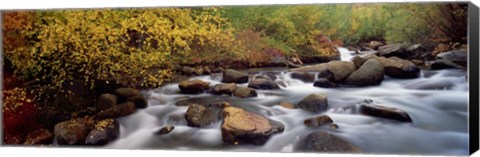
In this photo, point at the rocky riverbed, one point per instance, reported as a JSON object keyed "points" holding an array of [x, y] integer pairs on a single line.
{"points": [[367, 104]]}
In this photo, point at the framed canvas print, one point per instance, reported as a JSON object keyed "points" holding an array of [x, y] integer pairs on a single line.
{"points": [[350, 78]]}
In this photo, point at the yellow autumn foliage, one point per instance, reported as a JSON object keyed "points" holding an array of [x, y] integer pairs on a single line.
{"points": [[132, 47]]}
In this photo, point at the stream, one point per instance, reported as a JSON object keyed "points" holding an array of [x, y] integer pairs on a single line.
{"points": [[437, 103]]}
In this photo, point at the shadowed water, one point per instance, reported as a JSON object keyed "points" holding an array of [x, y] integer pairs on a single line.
{"points": [[436, 102]]}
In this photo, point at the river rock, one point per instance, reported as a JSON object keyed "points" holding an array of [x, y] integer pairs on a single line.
{"points": [[399, 68], [119, 110], [244, 127], [314, 103], [186, 70], [318, 121], [326, 74], [40, 136], [245, 92], [384, 112], [233, 76], [455, 58], [193, 86], [221, 89], [393, 50], [165, 130], [370, 73], [199, 116], [124, 93], [375, 44], [442, 64], [103, 132], [324, 83], [106, 101], [341, 69], [287, 104], [322, 141], [261, 83], [394, 66], [303, 76], [72, 132], [139, 101]]}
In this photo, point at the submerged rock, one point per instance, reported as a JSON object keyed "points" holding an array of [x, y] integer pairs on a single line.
{"points": [[370, 73], [318, 121], [244, 127], [261, 83], [314, 103], [233, 76], [385, 112], [193, 86], [40, 136], [245, 92], [287, 104], [165, 130], [322, 141], [199, 116], [104, 132]]}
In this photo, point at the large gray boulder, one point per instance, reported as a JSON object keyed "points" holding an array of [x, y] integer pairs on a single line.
{"points": [[314, 103], [369, 74]]}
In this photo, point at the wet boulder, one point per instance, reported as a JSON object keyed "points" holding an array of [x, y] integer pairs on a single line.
{"points": [[139, 101], [103, 132], [399, 68], [124, 93], [233, 76], [165, 130], [40, 136], [244, 127], [318, 121], [369, 74], [451, 59], [322, 141], [326, 74], [341, 69], [391, 50], [314, 103], [244, 92], [303, 76], [261, 83], [221, 89], [193, 86], [72, 132], [106, 101], [324, 83], [287, 104], [119, 110], [385, 112], [199, 116]]}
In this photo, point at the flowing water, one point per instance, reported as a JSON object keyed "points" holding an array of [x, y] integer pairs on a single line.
{"points": [[436, 102]]}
